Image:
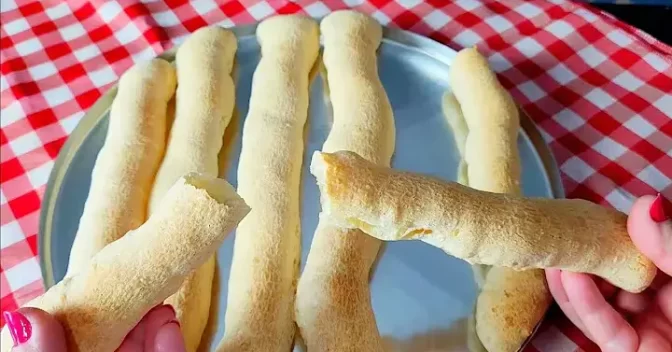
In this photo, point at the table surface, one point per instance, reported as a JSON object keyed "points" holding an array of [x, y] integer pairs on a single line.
{"points": [[597, 88]]}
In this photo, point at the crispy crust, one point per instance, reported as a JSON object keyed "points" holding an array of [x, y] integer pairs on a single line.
{"points": [[204, 105], [510, 306], [122, 177], [480, 227], [511, 303], [264, 270], [99, 305], [333, 300]]}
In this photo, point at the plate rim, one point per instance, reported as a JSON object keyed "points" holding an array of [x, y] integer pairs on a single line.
{"points": [[97, 112]]}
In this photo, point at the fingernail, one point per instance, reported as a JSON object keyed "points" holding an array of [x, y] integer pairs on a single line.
{"points": [[19, 327], [169, 337], [171, 308], [173, 322], [659, 210]]}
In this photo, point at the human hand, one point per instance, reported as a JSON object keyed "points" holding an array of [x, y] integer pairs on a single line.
{"points": [[36, 330], [618, 320]]}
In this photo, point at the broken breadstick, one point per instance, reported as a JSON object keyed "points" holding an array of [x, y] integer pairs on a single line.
{"points": [[480, 227], [204, 105], [100, 304], [125, 167], [333, 308], [511, 302], [264, 270]]}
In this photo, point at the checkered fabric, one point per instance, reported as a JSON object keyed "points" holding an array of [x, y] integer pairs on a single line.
{"points": [[598, 89]]}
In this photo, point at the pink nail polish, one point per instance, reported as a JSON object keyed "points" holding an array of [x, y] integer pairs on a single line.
{"points": [[19, 327], [660, 209]]}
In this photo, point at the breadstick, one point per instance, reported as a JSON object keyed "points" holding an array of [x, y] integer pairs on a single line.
{"points": [[333, 300], [453, 113], [511, 303], [458, 125], [125, 168], [480, 227], [204, 104], [510, 306], [99, 305], [262, 284]]}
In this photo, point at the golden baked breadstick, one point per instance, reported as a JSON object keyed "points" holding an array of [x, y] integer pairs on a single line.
{"points": [[205, 99], [511, 303], [100, 304], [262, 284], [125, 168], [510, 306], [333, 308], [453, 113], [458, 125], [204, 105], [480, 227]]}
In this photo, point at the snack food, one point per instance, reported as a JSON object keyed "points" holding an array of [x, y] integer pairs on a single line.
{"points": [[480, 227], [333, 308], [125, 167], [101, 303], [453, 113], [264, 270], [205, 99], [511, 302]]}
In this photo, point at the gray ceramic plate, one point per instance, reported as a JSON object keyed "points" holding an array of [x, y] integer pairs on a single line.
{"points": [[421, 297]]}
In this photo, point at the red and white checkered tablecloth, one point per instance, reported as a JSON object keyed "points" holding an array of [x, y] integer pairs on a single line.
{"points": [[599, 90]]}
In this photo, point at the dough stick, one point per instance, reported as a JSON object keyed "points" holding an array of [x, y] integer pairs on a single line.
{"points": [[453, 113], [480, 227], [99, 305], [204, 104], [333, 299], [125, 168], [262, 283], [511, 303], [455, 118]]}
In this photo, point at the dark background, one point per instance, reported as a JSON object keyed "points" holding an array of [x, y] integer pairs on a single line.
{"points": [[655, 20]]}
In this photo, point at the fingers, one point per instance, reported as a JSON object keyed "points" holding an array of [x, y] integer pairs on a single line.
{"points": [[605, 325], [35, 330], [632, 303], [135, 340], [660, 280], [560, 296], [664, 300], [652, 340], [162, 331], [652, 238], [158, 331], [654, 331], [169, 339]]}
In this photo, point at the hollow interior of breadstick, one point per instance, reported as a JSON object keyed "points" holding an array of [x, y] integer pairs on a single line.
{"points": [[99, 304], [382, 228], [220, 190]]}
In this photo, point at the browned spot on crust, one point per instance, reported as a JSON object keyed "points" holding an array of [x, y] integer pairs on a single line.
{"points": [[417, 232]]}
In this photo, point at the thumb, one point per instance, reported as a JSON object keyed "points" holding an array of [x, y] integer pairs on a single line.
{"points": [[650, 228], [33, 330]]}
